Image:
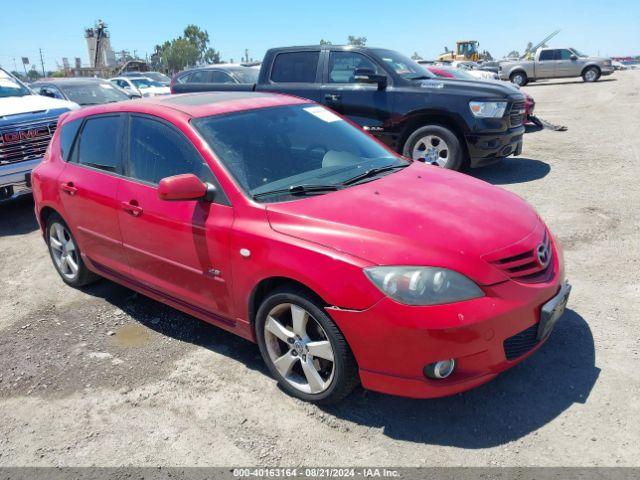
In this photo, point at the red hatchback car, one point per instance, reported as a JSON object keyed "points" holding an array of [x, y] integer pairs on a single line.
{"points": [[276, 219]]}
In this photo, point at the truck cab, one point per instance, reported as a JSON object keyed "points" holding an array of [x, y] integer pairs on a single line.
{"points": [[27, 123]]}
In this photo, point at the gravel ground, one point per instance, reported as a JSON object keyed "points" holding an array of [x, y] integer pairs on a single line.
{"points": [[107, 377]]}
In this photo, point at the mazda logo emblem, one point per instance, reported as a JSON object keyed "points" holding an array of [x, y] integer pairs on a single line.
{"points": [[544, 254]]}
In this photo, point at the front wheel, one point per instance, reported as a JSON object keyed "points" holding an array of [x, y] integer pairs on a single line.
{"points": [[304, 350], [591, 74], [436, 145]]}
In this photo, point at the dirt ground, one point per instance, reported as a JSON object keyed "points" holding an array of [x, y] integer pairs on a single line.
{"points": [[107, 377]]}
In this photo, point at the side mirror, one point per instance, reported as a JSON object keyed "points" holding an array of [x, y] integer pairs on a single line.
{"points": [[185, 187], [574, 57], [367, 75]]}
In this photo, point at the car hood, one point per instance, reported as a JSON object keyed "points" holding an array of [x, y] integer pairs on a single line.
{"points": [[470, 88], [421, 215], [32, 104]]}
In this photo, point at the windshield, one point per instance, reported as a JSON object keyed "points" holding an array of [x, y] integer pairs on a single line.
{"points": [[246, 75], [270, 149], [158, 77], [403, 66], [10, 87], [578, 53], [93, 93], [145, 83]]}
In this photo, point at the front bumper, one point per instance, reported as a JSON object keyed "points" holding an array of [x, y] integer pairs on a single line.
{"points": [[607, 71], [393, 343], [15, 179], [488, 148]]}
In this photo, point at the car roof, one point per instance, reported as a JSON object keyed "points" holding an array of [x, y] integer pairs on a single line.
{"points": [[194, 105]]}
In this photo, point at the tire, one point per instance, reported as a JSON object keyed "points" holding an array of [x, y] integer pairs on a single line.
{"points": [[337, 378], [65, 253], [519, 78], [591, 74], [432, 138]]}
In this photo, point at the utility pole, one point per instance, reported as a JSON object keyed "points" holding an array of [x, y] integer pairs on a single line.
{"points": [[246, 55], [42, 63]]}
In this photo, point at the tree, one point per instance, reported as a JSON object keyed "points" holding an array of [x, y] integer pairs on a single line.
{"points": [[32, 74], [360, 41], [179, 54], [324, 42], [415, 56], [200, 39], [513, 54]]}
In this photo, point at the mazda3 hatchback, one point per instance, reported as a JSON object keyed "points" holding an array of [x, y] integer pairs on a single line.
{"points": [[278, 220]]}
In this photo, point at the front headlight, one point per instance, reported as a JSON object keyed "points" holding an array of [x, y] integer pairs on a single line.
{"points": [[488, 109], [423, 285]]}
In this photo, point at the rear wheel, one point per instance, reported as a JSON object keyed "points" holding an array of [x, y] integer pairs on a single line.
{"points": [[591, 74], [436, 145], [65, 253], [304, 350], [519, 78]]}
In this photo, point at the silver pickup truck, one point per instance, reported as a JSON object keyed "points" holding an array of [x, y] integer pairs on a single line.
{"points": [[555, 63]]}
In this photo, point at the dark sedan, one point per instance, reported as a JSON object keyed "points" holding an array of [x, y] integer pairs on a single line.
{"points": [[83, 91]]}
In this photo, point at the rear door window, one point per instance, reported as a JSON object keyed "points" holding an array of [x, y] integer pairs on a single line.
{"points": [[295, 67], [99, 144], [547, 55]]}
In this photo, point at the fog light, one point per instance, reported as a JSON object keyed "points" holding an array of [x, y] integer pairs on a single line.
{"points": [[440, 369]]}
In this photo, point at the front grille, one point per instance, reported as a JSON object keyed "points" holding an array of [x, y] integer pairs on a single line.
{"points": [[525, 266], [25, 141], [516, 117], [521, 343]]}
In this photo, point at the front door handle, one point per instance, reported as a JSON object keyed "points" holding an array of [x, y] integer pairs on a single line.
{"points": [[132, 207], [69, 188], [332, 97]]}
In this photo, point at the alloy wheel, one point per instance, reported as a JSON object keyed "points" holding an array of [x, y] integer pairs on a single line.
{"points": [[432, 149], [299, 348], [64, 251], [591, 75]]}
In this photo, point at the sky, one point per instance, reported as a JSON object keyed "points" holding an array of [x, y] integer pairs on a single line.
{"points": [[608, 28]]}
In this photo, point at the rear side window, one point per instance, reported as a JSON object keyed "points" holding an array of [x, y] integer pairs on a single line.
{"points": [[99, 143], [547, 55], [68, 133], [295, 67], [158, 151]]}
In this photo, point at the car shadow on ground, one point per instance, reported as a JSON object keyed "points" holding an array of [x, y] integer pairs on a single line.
{"points": [[17, 217], [512, 170], [177, 325], [568, 82], [517, 403]]}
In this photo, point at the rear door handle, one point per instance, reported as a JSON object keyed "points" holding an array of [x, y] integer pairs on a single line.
{"points": [[69, 187], [132, 207], [332, 97]]}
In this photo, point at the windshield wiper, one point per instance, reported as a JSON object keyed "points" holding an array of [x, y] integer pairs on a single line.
{"points": [[372, 173], [299, 190], [420, 77]]}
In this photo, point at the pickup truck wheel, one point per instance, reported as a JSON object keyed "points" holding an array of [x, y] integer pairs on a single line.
{"points": [[436, 145], [304, 350], [519, 78], [591, 74], [65, 253]]}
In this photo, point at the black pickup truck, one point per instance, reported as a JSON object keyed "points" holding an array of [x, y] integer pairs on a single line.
{"points": [[449, 122]]}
